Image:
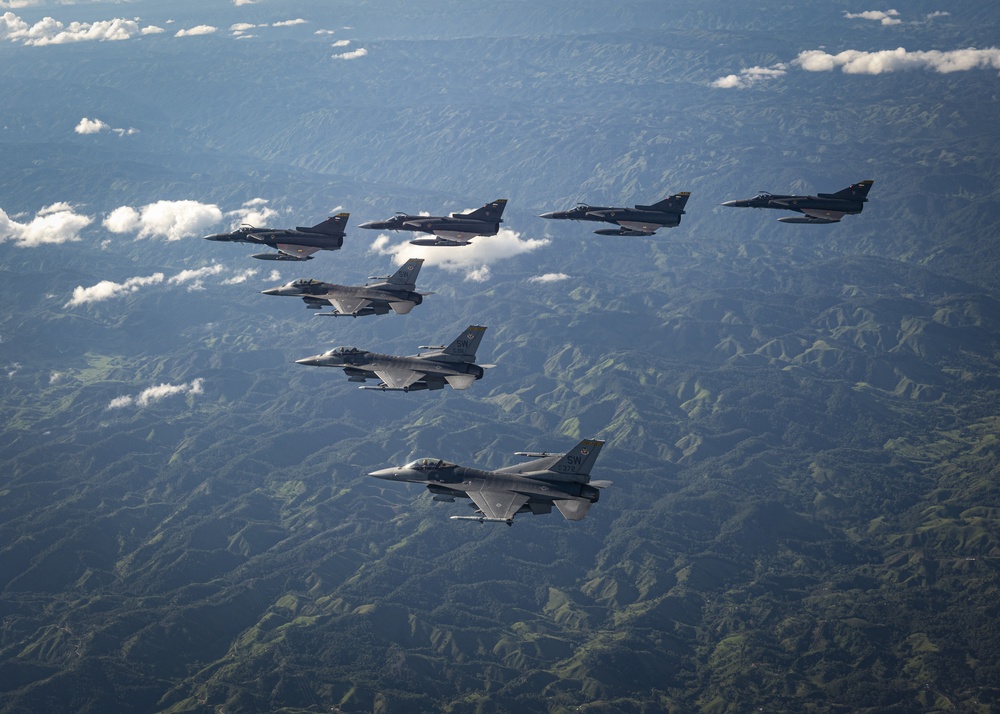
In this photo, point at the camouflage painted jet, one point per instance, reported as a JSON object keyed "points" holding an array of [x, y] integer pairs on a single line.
{"points": [[396, 292], [638, 221], [822, 208], [292, 243], [452, 230], [560, 480], [454, 365]]}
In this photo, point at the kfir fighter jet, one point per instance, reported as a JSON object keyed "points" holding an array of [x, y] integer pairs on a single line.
{"points": [[640, 220], [455, 229], [560, 480], [396, 292], [821, 208], [292, 243], [454, 365]]}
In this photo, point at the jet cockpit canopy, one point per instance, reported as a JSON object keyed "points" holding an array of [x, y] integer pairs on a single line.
{"points": [[429, 465]]}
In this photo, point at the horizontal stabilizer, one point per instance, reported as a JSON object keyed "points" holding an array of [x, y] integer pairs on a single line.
{"points": [[573, 510], [403, 307]]}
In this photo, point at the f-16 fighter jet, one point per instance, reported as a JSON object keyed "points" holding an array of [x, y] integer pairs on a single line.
{"points": [[560, 480], [396, 292], [638, 221], [452, 230], [454, 365], [292, 243], [822, 208]]}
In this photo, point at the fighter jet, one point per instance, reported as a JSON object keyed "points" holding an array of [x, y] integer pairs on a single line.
{"points": [[638, 221], [822, 208], [560, 480], [454, 364], [454, 229], [396, 292], [292, 243]]}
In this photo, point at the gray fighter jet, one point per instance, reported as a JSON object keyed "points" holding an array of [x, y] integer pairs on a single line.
{"points": [[638, 221], [292, 243], [560, 480], [822, 208], [396, 292], [454, 365], [452, 230]]}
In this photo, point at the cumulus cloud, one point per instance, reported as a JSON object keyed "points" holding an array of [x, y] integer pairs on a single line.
{"points": [[91, 126], [196, 30], [254, 212], [155, 394], [238, 3], [548, 278], [937, 13], [341, 43], [241, 277], [750, 76], [473, 260], [15, 4], [289, 23], [196, 276], [325, 32], [49, 31], [96, 126], [172, 220], [240, 27], [107, 289], [57, 223], [151, 30], [360, 52], [899, 59], [887, 17]]}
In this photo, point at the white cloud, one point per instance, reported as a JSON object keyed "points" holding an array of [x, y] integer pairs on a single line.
{"points": [[57, 223], [548, 278], [240, 277], [887, 17], [56, 377], [96, 126], [750, 76], [196, 276], [196, 30], [341, 43], [172, 220], [91, 126], [155, 394], [240, 27], [106, 289], [860, 62], [254, 212], [238, 3], [360, 52], [325, 32], [151, 30], [473, 259], [289, 23], [15, 4], [937, 13]]}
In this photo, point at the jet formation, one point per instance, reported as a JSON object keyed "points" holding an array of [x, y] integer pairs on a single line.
{"points": [[818, 209], [560, 480], [396, 292], [455, 229], [637, 221], [453, 364], [292, 243]]}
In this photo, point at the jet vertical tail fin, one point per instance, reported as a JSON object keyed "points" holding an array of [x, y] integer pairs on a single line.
{"points": [[673, 203], [856, 191], [465, 345], [333, 226], [407, 274], [577, 462], [492, 211]]}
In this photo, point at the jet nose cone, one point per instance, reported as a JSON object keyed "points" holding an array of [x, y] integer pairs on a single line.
{"points": [[367, 224], [214, 236], [311, 361], [271, 291], [550, 214], [384, 473], [731, 204]]}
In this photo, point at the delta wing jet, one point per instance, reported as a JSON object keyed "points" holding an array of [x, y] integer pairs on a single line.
{"points": [[454, 365], [560, 480], [455, 229], [396, 292], [292, 243], [640, 220], [821, 208]]}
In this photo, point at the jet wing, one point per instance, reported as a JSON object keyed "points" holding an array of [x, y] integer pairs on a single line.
{"points": [[348, 306], [501, 505], [398, 378], [297, 251], [824, 214]]}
